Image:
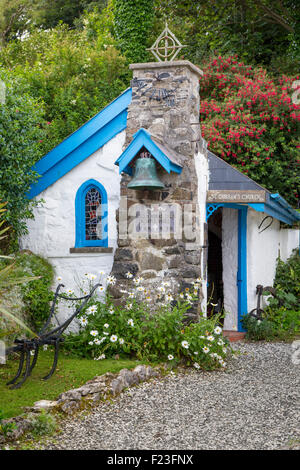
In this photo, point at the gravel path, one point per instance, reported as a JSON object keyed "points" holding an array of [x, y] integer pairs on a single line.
{"points": [[252, 405]]}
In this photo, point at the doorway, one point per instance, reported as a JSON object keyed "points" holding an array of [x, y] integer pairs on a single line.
{"points": [[215, 291]]}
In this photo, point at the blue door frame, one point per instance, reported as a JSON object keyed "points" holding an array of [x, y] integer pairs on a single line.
{"points": [[242, 255]]}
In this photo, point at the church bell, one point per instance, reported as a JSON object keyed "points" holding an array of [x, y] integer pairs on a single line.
{"points": [[145, 176]]}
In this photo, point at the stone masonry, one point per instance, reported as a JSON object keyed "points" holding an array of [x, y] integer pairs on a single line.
{"points": [[173, 122]]}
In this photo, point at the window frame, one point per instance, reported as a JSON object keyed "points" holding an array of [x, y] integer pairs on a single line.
{"points": [[80, 241]]}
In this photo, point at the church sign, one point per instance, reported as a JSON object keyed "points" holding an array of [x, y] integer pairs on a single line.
{"points": [[239, 196]]}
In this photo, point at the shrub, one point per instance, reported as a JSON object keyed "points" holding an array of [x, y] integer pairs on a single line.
{"points": [[42, 423], [258, 330], [153, 332]]}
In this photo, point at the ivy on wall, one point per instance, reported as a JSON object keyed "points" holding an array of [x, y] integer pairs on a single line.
{"points": [[133, 22]]}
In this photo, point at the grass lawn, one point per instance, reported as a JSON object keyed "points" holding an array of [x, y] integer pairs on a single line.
{"points": [[70, 373]]}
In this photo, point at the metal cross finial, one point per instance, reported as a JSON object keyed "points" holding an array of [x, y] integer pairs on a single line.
{"points": [[166, 47]]}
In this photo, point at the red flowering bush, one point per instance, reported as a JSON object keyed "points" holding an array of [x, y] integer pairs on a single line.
{"points": [[252, 121]]}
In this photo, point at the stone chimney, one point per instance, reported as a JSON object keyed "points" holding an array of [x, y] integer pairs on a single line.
{"points": [[166, 102]]}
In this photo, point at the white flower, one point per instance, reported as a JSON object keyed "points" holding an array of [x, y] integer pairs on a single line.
{"points": [[218, 330], [102, 356], [121, 341], [148, 299], [94, 332], [130, 322], [181, 295], [102, 273], [91, 310], [101, 288], [106, 325], [170, 357], [185, 344], [91, 343], [220, 342], [161, 289], [70, 291], [83, 321], [131, 295], [223, 363], [166, 284], [169, 298], [205, 350], [97, 341], [202, 337], [45, 347], [73, 102], [111, 280], [210, 338], [113, 338], [128, 306], [141, 289], [105, 333], [196, 365], [59, 278], [129, 275], [90, 276], [196, 353]]}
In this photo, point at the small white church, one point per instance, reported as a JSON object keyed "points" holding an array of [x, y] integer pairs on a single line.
{"points": [[135, 189]]}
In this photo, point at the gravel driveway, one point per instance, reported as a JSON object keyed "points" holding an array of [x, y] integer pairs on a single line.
{"points": [[254, 404]]}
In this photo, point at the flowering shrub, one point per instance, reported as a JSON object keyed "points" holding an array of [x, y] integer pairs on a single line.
{"points": [[149, 333], [249, 119]]}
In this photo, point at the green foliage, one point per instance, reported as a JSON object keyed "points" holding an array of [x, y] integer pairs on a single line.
{"points": [[258, 330], [287, 275], [260, 32], [75, 75], [5, 428], [42, 423], [20, 134], [38, 294], [133, 22], [151, 333]]}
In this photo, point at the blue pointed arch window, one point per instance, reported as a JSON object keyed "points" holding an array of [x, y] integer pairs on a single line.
{"points": [[91, 215]]}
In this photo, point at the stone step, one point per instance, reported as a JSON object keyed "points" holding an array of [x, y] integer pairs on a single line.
{"points": [[234, 335]]}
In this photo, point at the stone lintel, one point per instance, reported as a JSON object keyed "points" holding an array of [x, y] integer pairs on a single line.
{"points": [[159, 65]]}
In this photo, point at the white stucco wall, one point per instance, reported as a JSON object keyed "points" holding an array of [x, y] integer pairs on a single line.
{"points": [[52, 231], [201, 165], [230, 266], [263, 250]]}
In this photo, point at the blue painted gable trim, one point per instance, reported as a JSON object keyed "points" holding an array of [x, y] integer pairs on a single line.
{"points": [[80, 240], [141, 139], [82, 143]]}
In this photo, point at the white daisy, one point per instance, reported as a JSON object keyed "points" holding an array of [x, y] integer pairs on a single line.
{"points": [[196, 365], [218, 330], [170, 357], [220, 342], [129, 275], [94, 332], [111, 280], [210, 338], [185, 344], [97, 341], [91, 343], [83, 321], [121, 341], [131, 295], [130, 322], [59, 278], [205, 350], [113, 338], [106, 325], [128, 306], [45, 347]]}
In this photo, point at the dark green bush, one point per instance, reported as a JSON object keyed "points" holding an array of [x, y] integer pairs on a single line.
{"points": [[37, 294]]}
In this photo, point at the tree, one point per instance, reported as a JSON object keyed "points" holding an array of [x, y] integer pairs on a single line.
{"points": [[20, 135], [259, 31], [250, 120]]}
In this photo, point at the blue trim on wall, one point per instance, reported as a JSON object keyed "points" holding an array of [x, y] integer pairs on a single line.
{"points": [[80, 240], [141, 139], [242, 265], [241, 278], [82, 143]]}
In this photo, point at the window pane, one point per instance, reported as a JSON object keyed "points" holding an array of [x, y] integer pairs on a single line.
{"points": [[93, 225]]}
